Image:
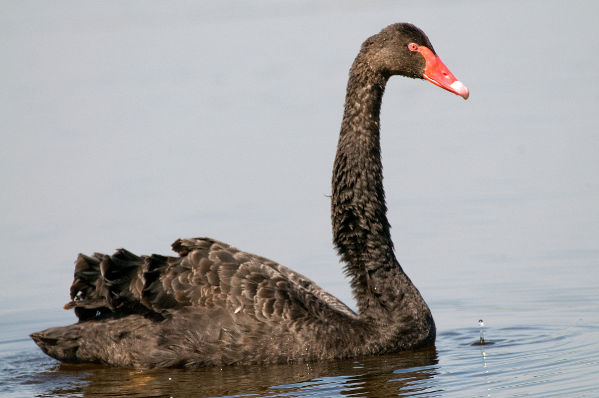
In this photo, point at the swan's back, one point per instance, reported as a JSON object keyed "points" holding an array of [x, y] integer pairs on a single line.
{"points": [[212, 305], [207, 275]]}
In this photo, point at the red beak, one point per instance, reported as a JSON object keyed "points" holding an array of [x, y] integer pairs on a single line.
{"points": [[437, 73]]}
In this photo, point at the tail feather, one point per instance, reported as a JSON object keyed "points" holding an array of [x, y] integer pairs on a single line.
{"points": [[112, 285], [86, 273], [154, 293], [121, 283]]}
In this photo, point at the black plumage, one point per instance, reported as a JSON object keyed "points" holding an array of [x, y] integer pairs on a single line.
{"points": [[217, 305]]}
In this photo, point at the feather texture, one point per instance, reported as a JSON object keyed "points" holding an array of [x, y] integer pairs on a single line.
{"points": [[205, 307]]}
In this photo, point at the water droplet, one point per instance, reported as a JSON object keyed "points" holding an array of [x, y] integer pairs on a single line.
{"points": [[481, 325]]}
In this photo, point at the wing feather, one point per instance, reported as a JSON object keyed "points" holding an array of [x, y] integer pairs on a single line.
{"points": [[208, 274]]}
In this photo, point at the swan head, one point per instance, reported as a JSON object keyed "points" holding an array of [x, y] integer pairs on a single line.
{"points": [[403, 49]]}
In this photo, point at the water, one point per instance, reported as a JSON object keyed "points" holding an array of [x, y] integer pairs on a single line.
{"points": [[133, 124]]}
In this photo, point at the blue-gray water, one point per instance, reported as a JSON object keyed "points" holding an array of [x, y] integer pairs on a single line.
{"points": [[130, 124]]}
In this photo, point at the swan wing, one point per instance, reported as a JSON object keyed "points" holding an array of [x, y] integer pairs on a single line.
{"points": [[207, 275]]}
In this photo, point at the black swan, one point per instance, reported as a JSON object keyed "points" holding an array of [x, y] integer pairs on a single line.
{"points": [[217, 305]]}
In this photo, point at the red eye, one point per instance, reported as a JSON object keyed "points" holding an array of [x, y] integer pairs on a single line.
{"points": [[413, 47]]}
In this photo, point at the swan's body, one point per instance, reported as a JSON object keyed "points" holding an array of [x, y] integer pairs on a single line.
{"points": [[216, 305]]}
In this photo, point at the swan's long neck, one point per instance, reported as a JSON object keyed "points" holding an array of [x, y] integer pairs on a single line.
{"points": [[361, 231], [360, 226]]}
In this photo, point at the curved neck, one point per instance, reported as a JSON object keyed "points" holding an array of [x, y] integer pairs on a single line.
{"points": [[359, 214]]}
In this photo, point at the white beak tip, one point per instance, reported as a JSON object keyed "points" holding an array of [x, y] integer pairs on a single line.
{"points": [[460, 89]]}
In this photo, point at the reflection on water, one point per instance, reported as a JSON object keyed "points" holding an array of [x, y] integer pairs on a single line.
{"points": [[405, 373]]}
